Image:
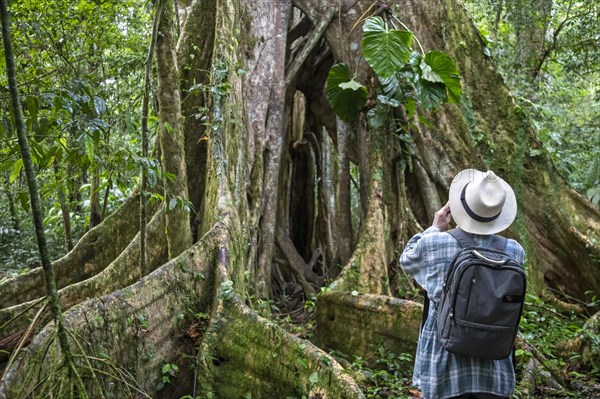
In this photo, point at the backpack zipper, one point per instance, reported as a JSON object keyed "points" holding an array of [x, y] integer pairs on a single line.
{"points": [[473, 282], [517, 269]]}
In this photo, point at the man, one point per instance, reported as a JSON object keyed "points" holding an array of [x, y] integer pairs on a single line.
{"points": [[482, 204]]}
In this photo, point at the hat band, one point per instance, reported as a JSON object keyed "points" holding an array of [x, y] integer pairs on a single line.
{"points": [[471, 213]]}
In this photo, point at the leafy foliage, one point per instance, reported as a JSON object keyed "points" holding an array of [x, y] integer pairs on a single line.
{"points": [[549, 56], [169, 371], [555, 340], [388, 377], [405, 76], [79, 67]]}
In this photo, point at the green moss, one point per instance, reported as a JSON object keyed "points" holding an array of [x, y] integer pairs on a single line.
{"points": [[358, 325], [245, 355], [535, 280], [477, 135]]}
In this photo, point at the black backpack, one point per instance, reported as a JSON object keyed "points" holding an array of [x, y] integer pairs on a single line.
{"points": [[482, 300]]}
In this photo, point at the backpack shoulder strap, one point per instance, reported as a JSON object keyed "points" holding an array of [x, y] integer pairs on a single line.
{"points": [[498, 242], [464, 239]]}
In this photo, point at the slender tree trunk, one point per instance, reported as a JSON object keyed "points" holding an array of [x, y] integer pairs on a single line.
{"points": [[64, 208], [327, 199], [107, 190], [365, 151], [34, 195], [499, 10], [95, 207], [144, 167], [76, 180], [170, 136]]}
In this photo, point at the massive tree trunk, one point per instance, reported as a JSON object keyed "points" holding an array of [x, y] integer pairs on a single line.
{"points": [[258, 228]]}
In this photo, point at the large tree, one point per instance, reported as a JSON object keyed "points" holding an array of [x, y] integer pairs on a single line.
{"points": [[284, 191]]}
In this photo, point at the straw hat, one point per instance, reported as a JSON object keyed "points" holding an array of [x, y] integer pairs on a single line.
{"points": [[481, 202]]}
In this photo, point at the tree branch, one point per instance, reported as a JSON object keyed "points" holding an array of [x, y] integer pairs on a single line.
{"points": [[553, 47], [298, 30], [314, 37]]}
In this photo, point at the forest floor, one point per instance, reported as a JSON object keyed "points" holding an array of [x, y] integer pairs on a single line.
{"points": [[390, 377]]}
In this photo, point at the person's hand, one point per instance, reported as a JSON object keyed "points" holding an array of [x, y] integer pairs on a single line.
{"points": [[442, 218]]}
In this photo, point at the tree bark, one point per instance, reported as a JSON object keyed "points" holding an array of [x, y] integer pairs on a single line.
{"points": [[92, 253], [170, 137], [195, 57], [144, 133], [344, 212], [95, 207], [555, 256], [326, 220], [272, 128]]}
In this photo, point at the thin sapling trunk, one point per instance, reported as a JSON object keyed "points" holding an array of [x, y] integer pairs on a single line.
{"points": [[34, 195]]}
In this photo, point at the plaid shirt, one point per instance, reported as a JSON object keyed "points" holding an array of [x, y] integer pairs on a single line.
{"points": [[439, 373]]}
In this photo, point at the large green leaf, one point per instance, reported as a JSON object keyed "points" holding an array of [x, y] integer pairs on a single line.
{"points": [[345, 95], [438, 67], [430, 95], [386, 50]]}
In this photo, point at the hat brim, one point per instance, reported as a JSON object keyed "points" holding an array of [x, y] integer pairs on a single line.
{"points": [[468, 224]]}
